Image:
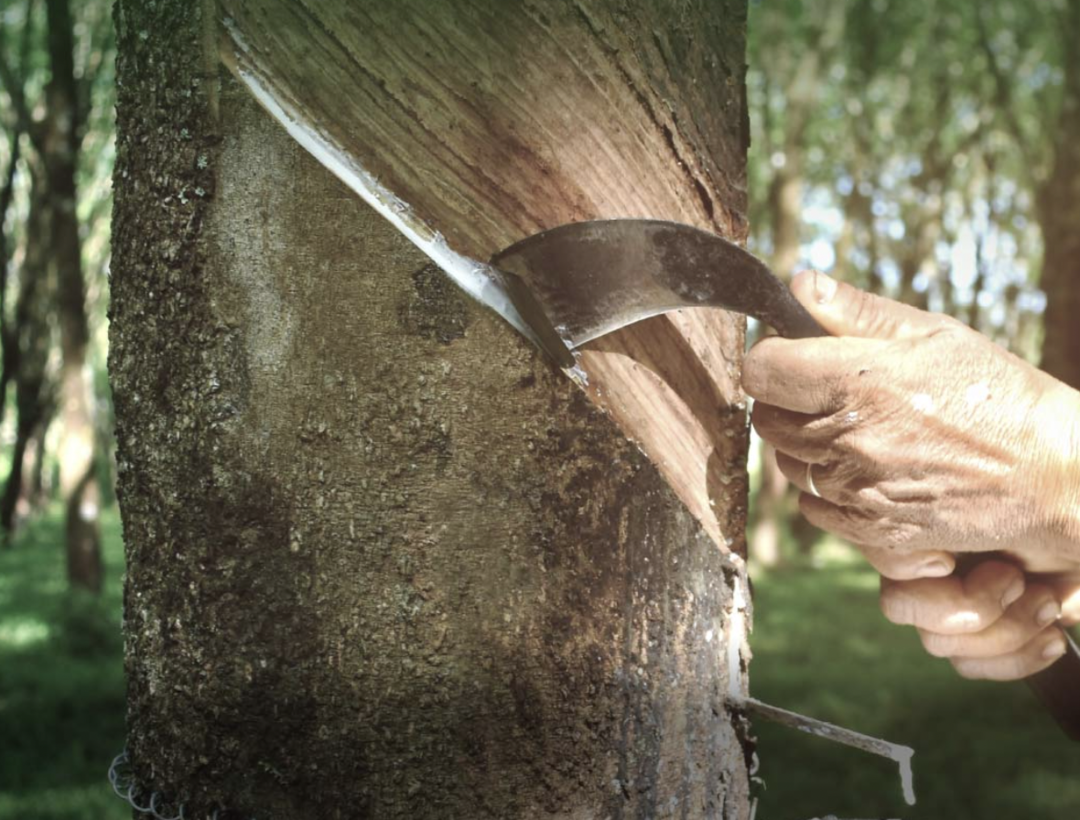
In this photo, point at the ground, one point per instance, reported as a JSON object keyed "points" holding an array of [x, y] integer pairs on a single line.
{"points": [[821, 648], [982, 750], [61, 681]]}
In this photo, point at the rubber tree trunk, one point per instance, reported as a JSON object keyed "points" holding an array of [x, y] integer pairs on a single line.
{"points": [[383, 560], [60, 153]]}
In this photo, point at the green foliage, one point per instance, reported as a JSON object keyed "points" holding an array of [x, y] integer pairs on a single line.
{"points": [[24, 57], [922, 134], [61, 680], [822, 648]]}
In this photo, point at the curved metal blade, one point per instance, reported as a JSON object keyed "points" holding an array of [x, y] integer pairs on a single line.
{"points": [[591, 278]]}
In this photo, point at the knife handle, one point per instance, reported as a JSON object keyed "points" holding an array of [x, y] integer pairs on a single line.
{"points": [[1058, 687]]}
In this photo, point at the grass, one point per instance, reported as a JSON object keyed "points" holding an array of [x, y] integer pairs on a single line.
{"points": [[822, 648], [61, 681]]}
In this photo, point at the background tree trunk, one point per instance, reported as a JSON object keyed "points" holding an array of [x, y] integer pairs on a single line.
{"points": [[29, 338], [60, 140], [802, 70], [383, 560], [1059, 216]]}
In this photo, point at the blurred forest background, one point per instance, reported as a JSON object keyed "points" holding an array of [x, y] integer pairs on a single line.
{"points": [[926, 151]]}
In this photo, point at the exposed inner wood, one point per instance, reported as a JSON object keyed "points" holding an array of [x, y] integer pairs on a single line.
{"points": [[522, 119]]}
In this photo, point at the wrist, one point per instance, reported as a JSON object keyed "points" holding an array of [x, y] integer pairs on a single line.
{"points": [[1059, 424]]}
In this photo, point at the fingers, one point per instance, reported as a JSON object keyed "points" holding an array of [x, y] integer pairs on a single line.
{"points": [[807, 375], [846, 311], [805, 436], [836, 481], [1035, 656], [798, 472], [1070, 605], [988, 624], [817, 375], [898, 565], [1020, 625], [954, 605], [858, 524], [1067, 591]]}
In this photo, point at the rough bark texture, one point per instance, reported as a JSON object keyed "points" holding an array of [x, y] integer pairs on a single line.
{"points": [[495, 120], [382, 560]]}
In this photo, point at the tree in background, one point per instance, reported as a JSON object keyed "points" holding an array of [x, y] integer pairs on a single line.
{"points": [[57, 84], [1033, 76], [936, 164], [799, 42]]}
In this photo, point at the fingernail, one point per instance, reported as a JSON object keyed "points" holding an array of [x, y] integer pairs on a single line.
{"points": [[935, 569], [824, 287], [1048, 613], [1054, 649], [1013, 593]]}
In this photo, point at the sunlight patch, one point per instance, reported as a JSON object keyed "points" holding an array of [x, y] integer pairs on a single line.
{"points": [[23, 632]]}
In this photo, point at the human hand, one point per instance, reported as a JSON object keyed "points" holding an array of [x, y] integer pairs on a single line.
{"points": [[991, 621], [922, 434], [925, 439]]}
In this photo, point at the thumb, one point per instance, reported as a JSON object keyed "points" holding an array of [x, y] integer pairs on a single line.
{"points": [[844, 310]]}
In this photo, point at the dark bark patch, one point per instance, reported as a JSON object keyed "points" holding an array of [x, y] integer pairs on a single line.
{"points": [[436, 310]]}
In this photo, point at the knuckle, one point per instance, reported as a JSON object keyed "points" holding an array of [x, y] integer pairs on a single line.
{"points": [[888, 533], [846, 437], [869, 497], [864, 310], [855, 524], [946, 325], [874, 452]]}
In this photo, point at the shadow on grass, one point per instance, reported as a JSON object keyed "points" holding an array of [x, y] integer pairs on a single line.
{"points": [[61, 680], [822, 648]]}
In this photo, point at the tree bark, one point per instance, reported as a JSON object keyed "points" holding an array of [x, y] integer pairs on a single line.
{"points": [[1059, 216], [30, 340], [60, 140], [383, 561], [9, 345]]}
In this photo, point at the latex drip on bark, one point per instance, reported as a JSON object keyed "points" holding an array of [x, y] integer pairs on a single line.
{"points": [[462, 167], [692, 425], [252, 65], [478, 279]]}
